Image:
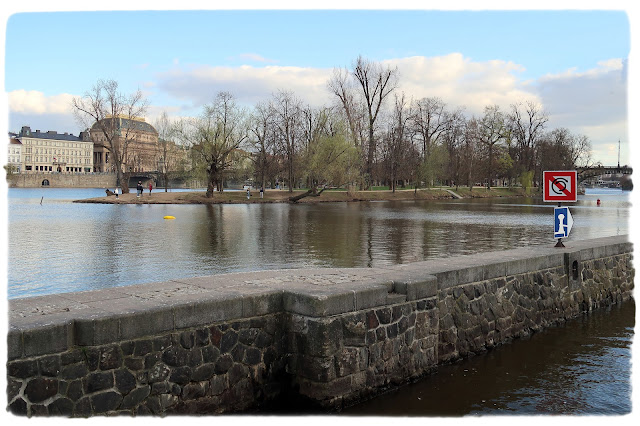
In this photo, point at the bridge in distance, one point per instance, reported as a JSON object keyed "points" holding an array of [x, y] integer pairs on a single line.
{"points": [[585, 173]]}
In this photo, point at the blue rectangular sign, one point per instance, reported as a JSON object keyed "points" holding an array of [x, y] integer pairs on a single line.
{"points": [[562, 222]]}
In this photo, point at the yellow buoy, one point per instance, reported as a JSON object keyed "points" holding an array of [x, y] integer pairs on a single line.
{"points": [[169, 217]]}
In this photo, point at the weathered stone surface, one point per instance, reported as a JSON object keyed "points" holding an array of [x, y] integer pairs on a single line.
{"points": [[204, 372], [22, 369], [223, 364], [61, 407], [105, 402], [210, 354], [158, 373], [188, 339], [194, 390], [82, 407], [202, 337], [98, 381], [40, 389], [49, 366], [124, 381], [228, 341], [218, 384], [175, 356], [110, 358], [181, 375], [73, 371], [135, 397], [252, 356], [142, 347], [134, 363]]}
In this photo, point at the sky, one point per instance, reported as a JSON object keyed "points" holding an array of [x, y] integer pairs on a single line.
{"points": [[571, 62]]}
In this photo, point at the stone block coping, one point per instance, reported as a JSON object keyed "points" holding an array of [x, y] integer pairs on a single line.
{"points": [[54, 323]]}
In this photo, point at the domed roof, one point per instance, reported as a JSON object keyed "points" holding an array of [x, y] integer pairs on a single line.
{"points": [[133, 124]]}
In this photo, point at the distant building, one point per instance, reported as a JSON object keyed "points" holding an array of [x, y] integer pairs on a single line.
{"points": [[142, 150], [54, 152], [14, 157]]}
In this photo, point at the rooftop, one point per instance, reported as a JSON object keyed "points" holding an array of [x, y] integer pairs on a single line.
{"points": [[50, 134]]}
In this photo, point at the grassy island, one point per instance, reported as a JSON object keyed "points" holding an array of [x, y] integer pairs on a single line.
{"points": [[281, 196]]}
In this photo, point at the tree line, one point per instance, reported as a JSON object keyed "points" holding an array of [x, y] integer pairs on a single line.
{"points": [[371, 135]]}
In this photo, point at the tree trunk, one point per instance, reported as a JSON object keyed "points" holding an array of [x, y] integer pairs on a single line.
{"points": [[313, 192], [124, 183], [369, 173], [212, 182]]}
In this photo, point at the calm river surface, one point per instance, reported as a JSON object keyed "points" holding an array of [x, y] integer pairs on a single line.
{"points": [[582, 367], [59, 246]]}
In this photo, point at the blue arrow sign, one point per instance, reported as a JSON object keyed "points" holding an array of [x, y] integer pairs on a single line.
{"points": [[562, 222]]}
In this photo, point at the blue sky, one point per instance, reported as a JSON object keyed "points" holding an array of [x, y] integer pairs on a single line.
{"points": [[571, 62]]}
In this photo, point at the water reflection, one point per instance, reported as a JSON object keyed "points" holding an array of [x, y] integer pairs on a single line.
{"points": [[60, 246]]}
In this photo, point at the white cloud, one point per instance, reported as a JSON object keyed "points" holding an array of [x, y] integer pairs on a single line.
{"points": [[34, 102], [199, 85], [592, 103], [461, 82], [575, 99]]}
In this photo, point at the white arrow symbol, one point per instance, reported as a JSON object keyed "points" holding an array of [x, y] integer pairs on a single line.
{"points": [[565, 228]]}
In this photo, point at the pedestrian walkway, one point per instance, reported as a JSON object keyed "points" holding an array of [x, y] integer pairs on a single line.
{"points": [[454, 194]]}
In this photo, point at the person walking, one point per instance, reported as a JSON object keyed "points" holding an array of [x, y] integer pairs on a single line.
{"points": [[150, 188], [262, 192], [139, 189], [117, 192], [248, 193]]}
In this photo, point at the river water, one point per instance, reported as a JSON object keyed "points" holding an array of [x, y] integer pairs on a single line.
{"points": [[582, 367], [57, 246]]}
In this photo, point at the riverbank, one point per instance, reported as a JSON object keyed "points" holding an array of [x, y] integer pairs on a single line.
{"points": [[280, 196]]}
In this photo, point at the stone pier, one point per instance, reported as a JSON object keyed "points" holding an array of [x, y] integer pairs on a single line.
{"points": [[322, 338]]}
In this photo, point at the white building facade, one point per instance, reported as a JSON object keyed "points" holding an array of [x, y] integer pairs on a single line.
{"points": [[14, 157], [54, 152]]}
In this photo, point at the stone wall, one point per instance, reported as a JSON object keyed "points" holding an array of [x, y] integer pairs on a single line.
{"points": [[321, 338], [62, 180]]}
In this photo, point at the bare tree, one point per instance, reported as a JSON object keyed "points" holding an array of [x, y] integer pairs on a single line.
{"points": [[471, 142], [114, 115], [429, 120], [215, 136], [263, 135], [374, 83], [167, 157], [397, 140], [287, 110], [580, 151], [343, 87], [492, 131], [526, 128], [453, 139]]}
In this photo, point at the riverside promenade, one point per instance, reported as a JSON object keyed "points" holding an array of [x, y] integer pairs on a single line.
{"points": [[320, 338]]}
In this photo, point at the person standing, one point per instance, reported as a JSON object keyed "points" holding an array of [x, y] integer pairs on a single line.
{"points": [[248, 193], [139, 189], [117, 192], [150, 187], [262, 192]]}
